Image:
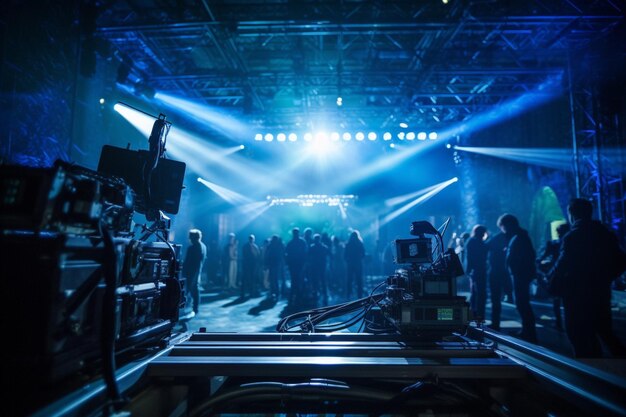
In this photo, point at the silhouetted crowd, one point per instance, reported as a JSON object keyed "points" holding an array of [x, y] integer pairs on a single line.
{"points": [[306, 270], [577, 271]]}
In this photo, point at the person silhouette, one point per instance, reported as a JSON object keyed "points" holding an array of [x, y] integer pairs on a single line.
{"points": [[192, 266], [590, 259], [520, 262]]}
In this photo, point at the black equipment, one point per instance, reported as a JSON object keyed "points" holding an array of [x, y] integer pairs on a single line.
{"points": [[166, 181], [81, 291], [419, 299]]}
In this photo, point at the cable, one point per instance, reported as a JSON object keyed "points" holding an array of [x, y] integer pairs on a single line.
{"points": [[273, 391]]}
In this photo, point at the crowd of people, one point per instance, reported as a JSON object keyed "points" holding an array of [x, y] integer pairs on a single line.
{"points": [[576, 270], [308, 268]]}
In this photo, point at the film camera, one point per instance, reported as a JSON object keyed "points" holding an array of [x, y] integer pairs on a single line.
{"points": [[82, 290], [421, 297]]}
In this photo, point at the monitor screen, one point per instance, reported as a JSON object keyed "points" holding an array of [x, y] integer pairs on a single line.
{"points": [[167, 179]]}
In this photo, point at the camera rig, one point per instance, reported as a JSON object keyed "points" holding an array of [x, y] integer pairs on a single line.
{"points": [[87, 290], [419, 299]]}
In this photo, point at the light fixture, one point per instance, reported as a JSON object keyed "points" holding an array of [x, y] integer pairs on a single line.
{"points": [[421, 136]]}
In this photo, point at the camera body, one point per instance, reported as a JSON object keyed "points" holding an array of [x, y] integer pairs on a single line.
{"points": [[421, 296], [65, 233]]}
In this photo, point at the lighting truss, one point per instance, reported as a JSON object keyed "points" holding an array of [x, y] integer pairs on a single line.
{"points": [[310, 200]]}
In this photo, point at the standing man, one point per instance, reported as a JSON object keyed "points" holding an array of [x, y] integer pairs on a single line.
{"points": [[318, 261], [476, 270], [295, 257], [250, 258], [354, 253], [545, 262], [499, 279], [192, 266], [520, 262], [590, 259]]}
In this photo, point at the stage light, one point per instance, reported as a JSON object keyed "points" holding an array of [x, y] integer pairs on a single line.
{"points": [[216, 117], [392, 145], [432, 135], [308, 137], [404, 125], [293, 137], [228, 195], [448, 145], [421, 136], [410, 136], [401, 135], [321, 136], [258, 136], [436, 189], [102, 101], [394, 201], [386, 136], [372, 136], [339, 101], [269, 137], [242, 146], [444, 1], [281, 137], [557, 158], [359, 136], [334, 136], [347, 136]]}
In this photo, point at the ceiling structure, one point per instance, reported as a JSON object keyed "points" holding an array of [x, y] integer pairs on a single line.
{"points": [[282, 65]]}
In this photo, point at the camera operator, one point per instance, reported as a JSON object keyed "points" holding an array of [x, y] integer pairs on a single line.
{"points": [[590, 259]]}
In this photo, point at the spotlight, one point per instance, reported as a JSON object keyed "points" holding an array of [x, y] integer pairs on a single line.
{"points": [[269, 137], [448, 145], [347, 136], [421, 136], [102, 101], [387, 136], [392, 145], [404, 125], [432, 135], [293, 137], [334, 136], [444, 1], [281, 137], [372, 136], [401, 135], [258, 136], [339, 101], [242, 147], [359, 136], [308, 137], [410, 136]]}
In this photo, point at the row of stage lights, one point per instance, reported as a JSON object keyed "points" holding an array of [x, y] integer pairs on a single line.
{"points": [[346, 136]]}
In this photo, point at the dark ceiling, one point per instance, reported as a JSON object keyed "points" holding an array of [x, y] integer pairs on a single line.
{"points": [[284, 63]]}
